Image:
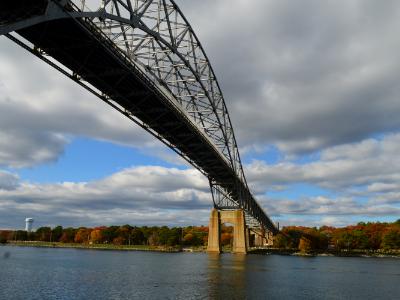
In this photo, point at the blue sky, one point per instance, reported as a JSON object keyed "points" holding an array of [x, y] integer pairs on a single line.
{"points": [[87, 159], [313, 95]]}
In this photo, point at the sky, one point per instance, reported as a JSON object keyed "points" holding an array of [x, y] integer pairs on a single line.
{"points": [[312, 88]]}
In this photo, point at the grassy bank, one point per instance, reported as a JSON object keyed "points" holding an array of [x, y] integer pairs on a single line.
{"points": [[225, 249], [343, 253], [94, 246]]}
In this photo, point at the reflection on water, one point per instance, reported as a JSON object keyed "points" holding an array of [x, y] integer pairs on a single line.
{"points": [[226, 276], [6, 255], [37, 273]]}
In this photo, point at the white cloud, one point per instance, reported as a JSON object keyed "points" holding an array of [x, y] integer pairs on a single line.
{"points": [[304, 75], [159, 195], [40, 110], [139, 195], [8, 181], [368, 162]]}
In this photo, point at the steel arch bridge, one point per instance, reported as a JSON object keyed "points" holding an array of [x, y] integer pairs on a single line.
{"points": [[143, 58]]}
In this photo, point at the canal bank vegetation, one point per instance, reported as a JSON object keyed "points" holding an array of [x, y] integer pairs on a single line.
{"points": [[372, 239], [126, 237]]}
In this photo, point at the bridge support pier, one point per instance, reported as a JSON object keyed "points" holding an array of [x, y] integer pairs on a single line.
{"points": [[261, 238], [240, 234]]}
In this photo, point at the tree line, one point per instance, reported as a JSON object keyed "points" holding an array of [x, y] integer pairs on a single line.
{"points": [[363, 236], [369, 236], [117, 235]]}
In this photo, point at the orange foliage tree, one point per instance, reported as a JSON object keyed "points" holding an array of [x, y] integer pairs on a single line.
{"points": [[82, 235]]}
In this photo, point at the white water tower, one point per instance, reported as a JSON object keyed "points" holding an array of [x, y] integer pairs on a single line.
{"points": [[28, 224]]}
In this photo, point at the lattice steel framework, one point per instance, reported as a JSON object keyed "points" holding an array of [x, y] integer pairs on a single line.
{"points": [[156, 38]]}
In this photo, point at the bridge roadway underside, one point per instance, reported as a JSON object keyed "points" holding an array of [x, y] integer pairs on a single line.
{"points": [[96, 60], [80, 46]]}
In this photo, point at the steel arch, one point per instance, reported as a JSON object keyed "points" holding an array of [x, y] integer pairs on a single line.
{"points": [[157, 39]]}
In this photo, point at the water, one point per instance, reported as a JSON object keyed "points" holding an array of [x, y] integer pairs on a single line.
{"points": [[40, 273]]}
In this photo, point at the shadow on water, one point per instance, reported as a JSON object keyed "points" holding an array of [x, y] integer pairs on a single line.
{"points": [[226, 276]]}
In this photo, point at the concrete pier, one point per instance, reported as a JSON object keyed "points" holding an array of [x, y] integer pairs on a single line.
{"points": [[214, 233], [240, 232]]}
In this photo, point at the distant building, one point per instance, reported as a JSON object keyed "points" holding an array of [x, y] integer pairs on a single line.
{"points": [[28, 224]]}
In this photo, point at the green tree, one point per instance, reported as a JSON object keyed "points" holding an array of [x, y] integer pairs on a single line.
{"points": [[137, 236], [43, 234], [56, 233], [391, 239], [281, 241], [109, 233], [163, 235]]}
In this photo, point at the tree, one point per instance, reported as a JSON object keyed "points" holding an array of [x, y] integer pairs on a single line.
{"points": [[174, 236], [68, 235], [226, 238], [21, 235], [163, 235], [119, 240], [109, 233], [82, 235], [305, 245], [188, 239], [43, 234], [391, 239], [4, 236], [281, 241], [124, 233], [137, 236], [153, 240], [56, 233], [96, 236]]}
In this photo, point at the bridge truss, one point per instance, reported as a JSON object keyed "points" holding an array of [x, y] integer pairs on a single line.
{"points": [[152, 40]]}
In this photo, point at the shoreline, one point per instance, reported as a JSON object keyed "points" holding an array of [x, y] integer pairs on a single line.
{"points": [[344, 253], [109, 247], [259, 251]]}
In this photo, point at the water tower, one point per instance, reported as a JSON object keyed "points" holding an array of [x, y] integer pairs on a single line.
{"points": [[28, 224]]}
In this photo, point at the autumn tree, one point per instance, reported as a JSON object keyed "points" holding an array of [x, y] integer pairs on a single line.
{"points": [[281, 241], [226, 238], [68, 235], [305, 245], [82, 235], [96, 236], [5, 235]]}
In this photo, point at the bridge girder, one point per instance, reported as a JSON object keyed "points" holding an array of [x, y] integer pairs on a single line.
{"points": [[155, 37]]}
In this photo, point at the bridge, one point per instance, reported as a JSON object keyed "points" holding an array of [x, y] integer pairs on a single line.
{"points": [[143, 58]]}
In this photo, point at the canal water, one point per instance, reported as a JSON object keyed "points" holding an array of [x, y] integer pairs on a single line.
{"points": [[46, 273]]}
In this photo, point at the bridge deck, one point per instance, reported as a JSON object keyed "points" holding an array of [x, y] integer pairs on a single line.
{"points": [[78, 45], [91, 57]]}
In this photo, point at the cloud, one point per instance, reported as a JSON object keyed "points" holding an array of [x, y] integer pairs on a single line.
{"points": [[303, 76], [41, 110], [374, 163], [8, 181], [328, 206], [139, 195], [156, 195]]}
